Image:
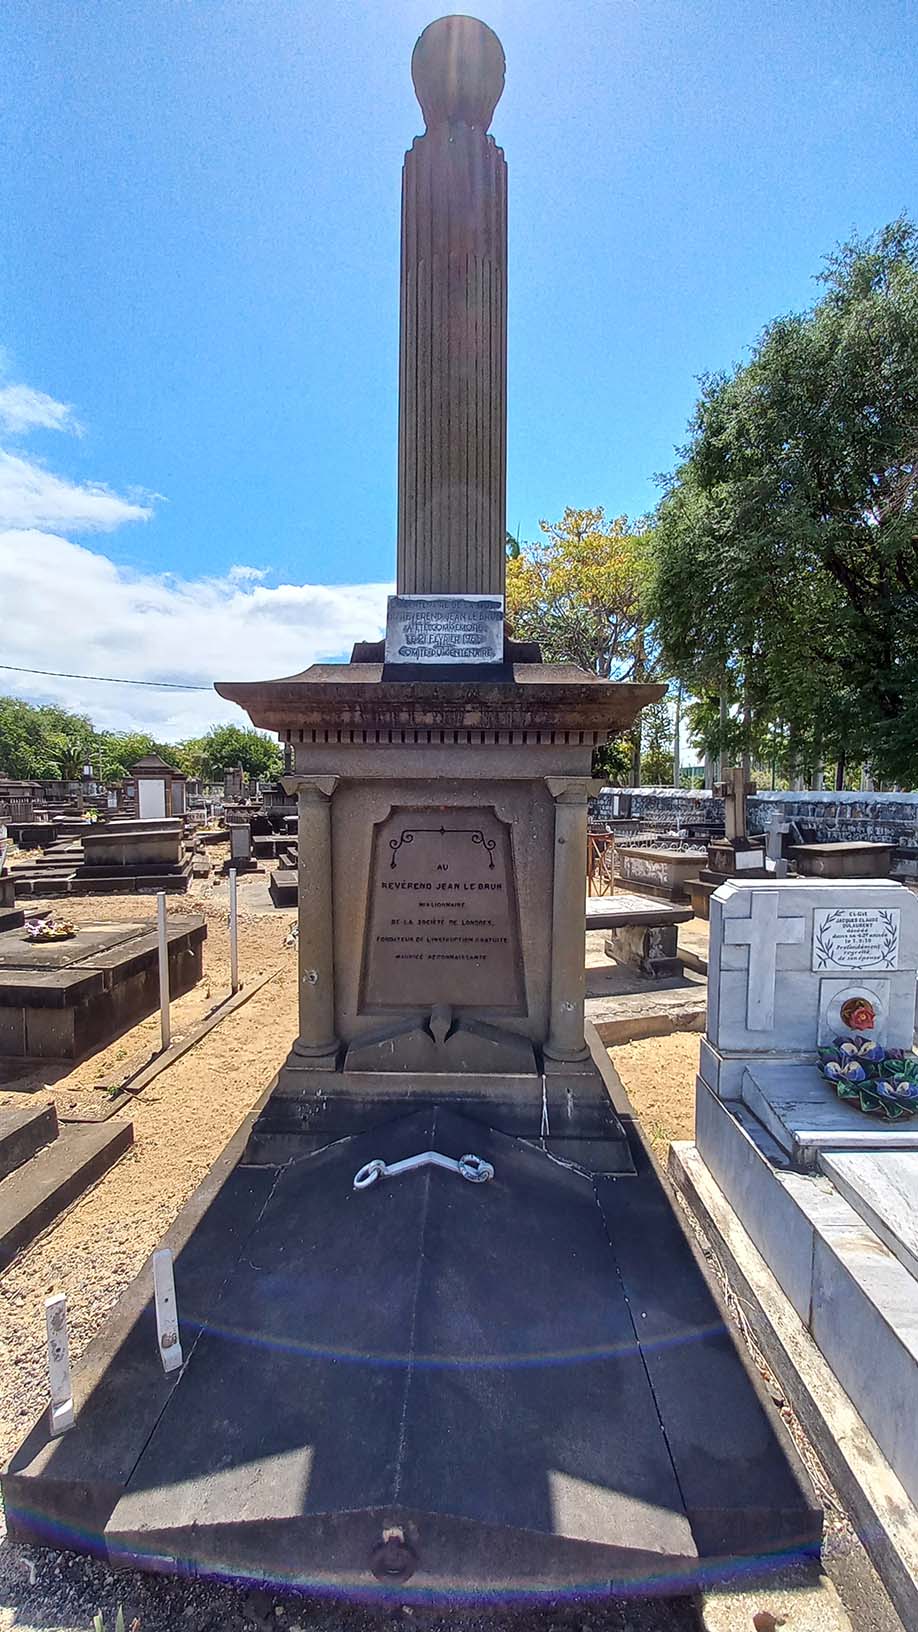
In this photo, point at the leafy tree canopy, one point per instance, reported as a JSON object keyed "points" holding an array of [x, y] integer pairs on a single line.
{"points": [[785, 553], [577, 591], [46, 743], [228, 745]]}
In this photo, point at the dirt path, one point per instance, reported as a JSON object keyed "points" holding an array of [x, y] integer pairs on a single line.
{"points": [[658, 1075]]}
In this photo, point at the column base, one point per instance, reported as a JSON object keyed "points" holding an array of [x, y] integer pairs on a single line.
{"points": [[560, 1062], [313, 1056]]}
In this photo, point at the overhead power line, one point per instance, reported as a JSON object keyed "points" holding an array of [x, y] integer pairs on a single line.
{"points": [[109, 679]]}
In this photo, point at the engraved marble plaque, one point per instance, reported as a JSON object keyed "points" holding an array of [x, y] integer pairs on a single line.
{"points": [[442, 923], [856, 938], [445, 629]]}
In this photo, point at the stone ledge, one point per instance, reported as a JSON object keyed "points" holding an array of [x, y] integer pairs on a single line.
{"points": [[884, 1517]]}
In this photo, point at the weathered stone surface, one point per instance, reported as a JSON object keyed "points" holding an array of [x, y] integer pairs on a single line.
{"points": [[452, 444], [442, 921], [61, 999], [882, 1187], [37, 1192], [23, 1131], [846, 860], [661, 872], [445, 629]]}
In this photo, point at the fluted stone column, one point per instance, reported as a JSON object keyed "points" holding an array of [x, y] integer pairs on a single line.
{"points": [[316, 1046], [453, 344], [568, 921]]}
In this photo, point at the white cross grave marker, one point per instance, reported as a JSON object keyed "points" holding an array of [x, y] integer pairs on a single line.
{"points": [[763, 932]]}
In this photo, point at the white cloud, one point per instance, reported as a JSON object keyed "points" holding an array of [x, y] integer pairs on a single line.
{"points": [[23, 409], [75, 609], [247, 575], [66, 607], [30, 496]]}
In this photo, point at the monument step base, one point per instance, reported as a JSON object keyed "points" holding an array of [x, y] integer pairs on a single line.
{"points": [[11, 918], [570, 1113], [23, 1132], [856, 1297], [55, 885], [503, 1459]]}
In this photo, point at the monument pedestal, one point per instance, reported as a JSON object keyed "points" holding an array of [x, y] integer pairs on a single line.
{"points": [[442, 859]]}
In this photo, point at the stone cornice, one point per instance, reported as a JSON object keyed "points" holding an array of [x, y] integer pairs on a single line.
{"points": [[354, 699]]}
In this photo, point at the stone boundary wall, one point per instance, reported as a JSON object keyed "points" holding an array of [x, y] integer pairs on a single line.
{"points": [[890, 818]]}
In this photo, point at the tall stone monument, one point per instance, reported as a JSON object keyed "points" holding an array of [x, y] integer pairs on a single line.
{"points": [[452, 421], [408, 1311], [442, 776]]}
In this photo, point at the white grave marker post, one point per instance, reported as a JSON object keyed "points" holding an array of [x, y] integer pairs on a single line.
{"points": [[763, 932], [234, 933], [167, 1327], [165, 1024], [59, 1363]]}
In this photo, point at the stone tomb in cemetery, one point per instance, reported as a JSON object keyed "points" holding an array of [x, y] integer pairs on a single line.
{"points": [[736, 855], [63, 999], [660, 869], [823, 1179], [442, 1327], [111, 858], [642, 934]]}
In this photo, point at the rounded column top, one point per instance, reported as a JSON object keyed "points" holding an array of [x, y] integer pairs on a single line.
{"points": [[458, 70]]}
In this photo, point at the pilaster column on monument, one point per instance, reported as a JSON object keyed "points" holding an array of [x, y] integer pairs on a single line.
{"points": [[316, 1045], [565, 1042]]}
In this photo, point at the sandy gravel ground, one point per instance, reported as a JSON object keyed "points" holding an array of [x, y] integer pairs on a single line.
{"points": [[658, 1075]]}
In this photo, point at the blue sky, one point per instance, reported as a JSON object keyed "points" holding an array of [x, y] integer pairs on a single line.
{"points": [[200, 206]]}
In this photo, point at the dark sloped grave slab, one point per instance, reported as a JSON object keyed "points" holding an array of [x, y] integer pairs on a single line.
{"points": [[450, 1366]]}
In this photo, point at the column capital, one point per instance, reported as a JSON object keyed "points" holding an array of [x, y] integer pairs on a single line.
{"points": [[312, 786], [568, 790]]}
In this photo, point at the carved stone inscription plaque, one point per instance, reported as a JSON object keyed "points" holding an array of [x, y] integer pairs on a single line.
{"points": [[442, 924], [445, 629]]}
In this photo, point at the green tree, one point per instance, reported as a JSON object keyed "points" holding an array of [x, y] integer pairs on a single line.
{"points": [[227, 745], [189, 757], [578, 592], [657, 744], [785, 552], [43, 742], [116, 751]]}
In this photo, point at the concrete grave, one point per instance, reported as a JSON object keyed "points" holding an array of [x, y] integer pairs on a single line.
{"points": [[656, 871], [827, 1194], [844, 860], [642, 933], [61, 1000]]}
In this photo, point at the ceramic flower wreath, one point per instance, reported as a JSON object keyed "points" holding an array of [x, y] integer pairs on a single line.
{"points": [[880, 1081], [49, 929]]}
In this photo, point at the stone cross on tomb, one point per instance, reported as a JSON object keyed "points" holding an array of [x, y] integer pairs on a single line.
{"points": [[763, 932], [733, 791]]}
